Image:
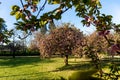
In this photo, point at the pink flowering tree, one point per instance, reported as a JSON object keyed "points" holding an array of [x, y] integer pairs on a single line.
{"points": [[66, 40]]}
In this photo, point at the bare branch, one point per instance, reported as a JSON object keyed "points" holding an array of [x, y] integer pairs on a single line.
{"points": [[25, 36], [107, 39], [65, 10], [22, 3], [41, 8]]}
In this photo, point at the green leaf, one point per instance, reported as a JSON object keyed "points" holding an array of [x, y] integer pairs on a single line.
{"points": [[27, 12], [86, 1], [33, 18], [12, 13], [109, 16], [56, 2], [49, 1], [69, 5], [43, 22], [35, 1], [99, 5], [15, 8], [84, 22], [23, 16], [17, 15]]}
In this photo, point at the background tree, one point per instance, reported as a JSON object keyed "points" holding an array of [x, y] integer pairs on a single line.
{"points": [[98, 41], [4, 33], [34, 45], [64, 40]]}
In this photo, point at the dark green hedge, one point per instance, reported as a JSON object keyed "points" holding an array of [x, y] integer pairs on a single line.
{"points": [[19, 53]]}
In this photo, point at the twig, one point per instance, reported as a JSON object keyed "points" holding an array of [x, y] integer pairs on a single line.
{"points": [[41, 8], [22, 3], [65, 10], [107, 39], [25, 36]]}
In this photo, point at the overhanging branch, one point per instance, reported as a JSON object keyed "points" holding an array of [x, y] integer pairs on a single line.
{"points": [[65, 10], [41, 8], [22, 3]]}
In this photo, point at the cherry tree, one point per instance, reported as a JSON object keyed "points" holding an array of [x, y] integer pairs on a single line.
{"points": [[66, 40]]}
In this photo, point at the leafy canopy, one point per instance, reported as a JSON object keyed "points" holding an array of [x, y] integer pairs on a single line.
{"points": [[4, 33], [29, 18]]}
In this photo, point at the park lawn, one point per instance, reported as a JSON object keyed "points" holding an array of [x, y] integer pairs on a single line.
{"points": [[34, 68]]}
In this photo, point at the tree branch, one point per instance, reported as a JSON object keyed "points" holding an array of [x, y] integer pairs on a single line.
{"points": [[107, 39], [22, 3], [25, 36], [41, 8], [65, 10]]}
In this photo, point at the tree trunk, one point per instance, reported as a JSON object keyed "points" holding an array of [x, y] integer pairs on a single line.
{"points": [[66, 59], [13, 54], [13, 51]]}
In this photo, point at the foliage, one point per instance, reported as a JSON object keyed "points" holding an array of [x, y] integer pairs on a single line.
{"points": [[96, 45], [99, 42], [4, 33], [17, 45], [33, 46], [29, 7]]}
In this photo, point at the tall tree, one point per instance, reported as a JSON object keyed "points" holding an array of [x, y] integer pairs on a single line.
{"points": [[4, 33]]}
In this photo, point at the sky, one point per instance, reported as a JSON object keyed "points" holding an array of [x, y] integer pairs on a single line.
{"points": [[111, 7]]}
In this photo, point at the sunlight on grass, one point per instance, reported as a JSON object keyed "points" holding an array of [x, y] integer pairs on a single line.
{"points": [[14, 69], [37, 69]]}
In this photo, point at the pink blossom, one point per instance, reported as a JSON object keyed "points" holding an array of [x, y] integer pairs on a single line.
{"points": [[27, 17], [114, 48], [103, 33]]}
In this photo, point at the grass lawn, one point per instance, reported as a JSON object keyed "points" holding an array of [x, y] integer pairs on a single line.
{"points": [[34, 68]]}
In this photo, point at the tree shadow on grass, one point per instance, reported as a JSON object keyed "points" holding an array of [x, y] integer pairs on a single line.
{"points": [[108, 61], [84, 65], [21, 75], [116, 59], [10, 62], [76, 66], [38, 76]]}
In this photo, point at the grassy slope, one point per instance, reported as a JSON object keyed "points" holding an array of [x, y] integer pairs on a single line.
{"points": [[37, 69]]}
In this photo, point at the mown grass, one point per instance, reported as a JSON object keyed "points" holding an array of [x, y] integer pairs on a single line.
{"points": [[34, 68]]}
